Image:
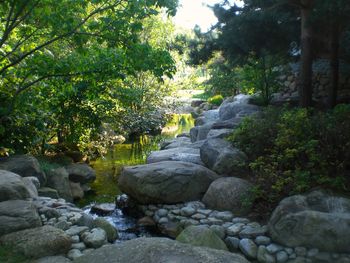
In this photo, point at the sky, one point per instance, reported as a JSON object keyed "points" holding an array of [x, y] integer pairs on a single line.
{"points": [[192, 12]]}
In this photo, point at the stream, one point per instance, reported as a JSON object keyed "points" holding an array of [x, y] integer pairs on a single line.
{"points": [[108, 168]]}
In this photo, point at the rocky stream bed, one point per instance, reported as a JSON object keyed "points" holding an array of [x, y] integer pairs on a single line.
{"points": [[192, 190]]}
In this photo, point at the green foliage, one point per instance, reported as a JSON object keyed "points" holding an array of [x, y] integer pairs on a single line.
{"points": [[216, 100], [259, 76], [62, 64], [293, 150]]}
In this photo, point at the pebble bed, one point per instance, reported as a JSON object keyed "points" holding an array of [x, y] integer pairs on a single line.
{"points": [[77, 224], [239, 234]]}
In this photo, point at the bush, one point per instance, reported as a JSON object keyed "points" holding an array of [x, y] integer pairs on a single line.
{"points": [[216, 100], [294, 150]]}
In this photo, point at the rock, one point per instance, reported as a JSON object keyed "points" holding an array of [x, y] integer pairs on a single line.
{"points": [[12, 187], [236, 108], [262, 240], [221, 157], [170, 229], [85, 220], [76, 190], [48, 192], [187, 211], [59, 179], [219, 133], [248, 248], [264, 256], [316, 220], [158, 250], [94, 238], [111, 231], [104, 209], [81, 173], [80, 246], [252, 232], [64, 225], [274, 248], [232, 243], [219, 231], [32, 184], [179, 142], [227, 124], [199, 133], [282, 257], [235, 229], [201, 236], [166, 182], [182, 154], [38, 242], [225, 216], [229, 194], [23, 165], [146, 221], [76, 230], [207, 117], [17, 215], [74, 253], [53, 259]]}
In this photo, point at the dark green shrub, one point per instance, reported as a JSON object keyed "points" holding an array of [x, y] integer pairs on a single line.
{"points": [[216, 100], [294, 150]]}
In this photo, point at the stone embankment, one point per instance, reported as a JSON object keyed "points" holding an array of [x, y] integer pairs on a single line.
{"points": [[303, 228]]}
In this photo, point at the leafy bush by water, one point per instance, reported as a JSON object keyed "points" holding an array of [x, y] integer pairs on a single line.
{"points": [[216, 100], [294, 150]]}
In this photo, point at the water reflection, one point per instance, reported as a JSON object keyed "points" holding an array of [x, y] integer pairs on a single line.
{"points": [[109, 167]]}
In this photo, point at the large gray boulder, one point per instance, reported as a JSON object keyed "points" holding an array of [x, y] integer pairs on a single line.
{"points": [[229, 194], [237, 107], [158, 250], [12, 187], [81, 173], [59, 179], [219, 133], [190, 155], [16, 215], [23, 165], [201, 236], [166, 182], [317, 220], [38, 242], [207, 117], [32, 184], [199, 133], [176, 143], [221, 157]]}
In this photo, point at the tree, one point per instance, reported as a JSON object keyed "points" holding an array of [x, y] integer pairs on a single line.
{"points": [[60, 62]]}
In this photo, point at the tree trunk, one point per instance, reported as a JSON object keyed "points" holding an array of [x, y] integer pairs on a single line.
{"points": [[333, 88], [305, 91]]}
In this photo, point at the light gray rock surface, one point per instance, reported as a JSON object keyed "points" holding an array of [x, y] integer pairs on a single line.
{"points": [[166, 182], [59, 179], [12, 187], [317, 220], [16, 215], [201, 236], [81, 173], [38, 242], [229, 194], [23, 165], [32, 184], [95, 238], [158, 250], [221, 157], [181, 154]]}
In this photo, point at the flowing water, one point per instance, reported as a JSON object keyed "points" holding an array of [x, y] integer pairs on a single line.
{"points": [[108, 168]]}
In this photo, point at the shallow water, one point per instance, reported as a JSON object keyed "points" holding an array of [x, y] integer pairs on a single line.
{"points": [[105, 188]]}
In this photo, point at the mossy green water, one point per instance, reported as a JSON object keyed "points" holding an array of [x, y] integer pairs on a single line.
{"points": [[109, 167]]}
